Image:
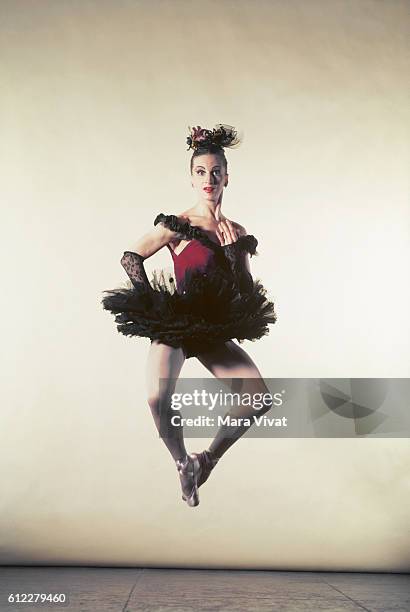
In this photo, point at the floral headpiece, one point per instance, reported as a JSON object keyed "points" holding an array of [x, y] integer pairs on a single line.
{"points": [[222, 136]]}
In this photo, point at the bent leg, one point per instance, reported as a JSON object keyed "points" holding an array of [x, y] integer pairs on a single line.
{"points": [[232, 362], [165, 362]]}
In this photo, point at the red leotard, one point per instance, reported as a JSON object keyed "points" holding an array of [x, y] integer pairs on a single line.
{"points": [[196, 256]]}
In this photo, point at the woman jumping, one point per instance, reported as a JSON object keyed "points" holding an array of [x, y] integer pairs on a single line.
{"points": [[211, 300]]}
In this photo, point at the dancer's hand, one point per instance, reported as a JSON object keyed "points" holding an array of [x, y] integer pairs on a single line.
{"points": [[226, 232]]}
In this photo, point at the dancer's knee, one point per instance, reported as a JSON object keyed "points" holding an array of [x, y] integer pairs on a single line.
{"points": [[159, 400], [260, 394], [153, 401]]}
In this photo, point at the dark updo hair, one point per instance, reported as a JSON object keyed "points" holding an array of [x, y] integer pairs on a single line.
{"points": [[214, 149], [204, 141]]}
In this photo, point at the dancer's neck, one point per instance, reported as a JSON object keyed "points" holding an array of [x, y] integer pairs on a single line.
{"points": [[209, 210]]}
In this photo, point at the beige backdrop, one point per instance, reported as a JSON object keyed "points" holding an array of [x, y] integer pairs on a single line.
{"points": [[96, 100]]}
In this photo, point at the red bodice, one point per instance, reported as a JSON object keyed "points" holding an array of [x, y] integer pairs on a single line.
{"points": [[196, 256]]}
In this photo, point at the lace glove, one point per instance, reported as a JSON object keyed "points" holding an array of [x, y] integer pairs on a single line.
{"points": [[235, 254], [133, 264]]}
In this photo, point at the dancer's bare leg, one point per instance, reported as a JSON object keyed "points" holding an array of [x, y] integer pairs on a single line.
{"points": [[232, 361], [165, 362]]}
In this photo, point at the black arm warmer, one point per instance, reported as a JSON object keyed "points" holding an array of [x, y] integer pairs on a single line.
{"points": [[133, 264], [236, 253]]}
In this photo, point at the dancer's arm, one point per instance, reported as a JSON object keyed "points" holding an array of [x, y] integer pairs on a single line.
{"points": [[236, 245], [133, 260]]}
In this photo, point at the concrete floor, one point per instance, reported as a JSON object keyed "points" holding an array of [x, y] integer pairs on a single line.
{"points": [[91, 589]]}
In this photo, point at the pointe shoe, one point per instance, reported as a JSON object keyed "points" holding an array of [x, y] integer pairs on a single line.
{"points": [[189, 469], [206, 463]]}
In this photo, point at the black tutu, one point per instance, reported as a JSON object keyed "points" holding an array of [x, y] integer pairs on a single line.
{"points": [[208, 313]]}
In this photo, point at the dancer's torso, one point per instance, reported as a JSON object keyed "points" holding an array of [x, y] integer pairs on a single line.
{"points": [[194, 256]]}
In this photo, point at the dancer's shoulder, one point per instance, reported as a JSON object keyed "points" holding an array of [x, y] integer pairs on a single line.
{"points": [[172, 221], [242, 231]]}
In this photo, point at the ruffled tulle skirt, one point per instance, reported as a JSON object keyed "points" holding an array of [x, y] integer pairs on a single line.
{"points": [[207, 313]]}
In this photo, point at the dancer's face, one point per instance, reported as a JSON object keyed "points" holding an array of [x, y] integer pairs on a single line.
{"points": [[209, 177]]}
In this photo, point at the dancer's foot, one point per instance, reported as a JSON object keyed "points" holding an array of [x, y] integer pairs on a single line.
{"points": [[189, 469], [207, 462]]}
